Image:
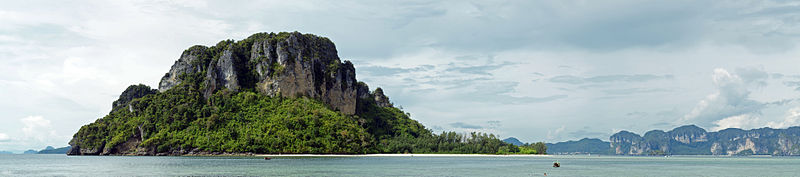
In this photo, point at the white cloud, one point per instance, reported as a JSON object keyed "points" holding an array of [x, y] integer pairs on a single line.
{"points": [[731, 103], [792, 119], [37, 128], [4, 137], [555, 134], [744, 121]]}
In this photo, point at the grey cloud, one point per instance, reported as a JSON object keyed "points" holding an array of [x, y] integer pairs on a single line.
{"points": [[498, 92], [456, 83], [795, 84], [569, 79], [464, 125], [631, 91], [565, 89], [636, 114], [479, 70], [753, 75], [504, 99], [628, 78], [661, 124], [781, 102], [378, 71], [587, 134], [493, 123], [668, 113]]}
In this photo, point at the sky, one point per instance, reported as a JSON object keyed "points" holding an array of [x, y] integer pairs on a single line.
{"points": [[535, 70]]}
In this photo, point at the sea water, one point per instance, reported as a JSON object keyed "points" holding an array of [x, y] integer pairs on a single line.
{"points": [[62, 165]]}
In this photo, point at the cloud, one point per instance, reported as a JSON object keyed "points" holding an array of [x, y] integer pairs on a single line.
{"points": [[37, 128], [731, 105], [4, 137], [744, 121], [493, 124], [662, 124], [569, 79], [380, 71], [587, 134], [637, 114], [795, 84], [479, 70], [792, 119], [464, 125], [630, 91], [555, 134]]}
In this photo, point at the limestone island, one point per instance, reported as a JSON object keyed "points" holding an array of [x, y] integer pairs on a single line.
{"points": [[271, 93]]}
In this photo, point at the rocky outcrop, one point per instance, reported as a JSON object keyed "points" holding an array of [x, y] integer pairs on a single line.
{"points": [[222, 74], [130, 93], [381, 99], [625, 142], [305, 65], [689, 134], [190, 62], [283, 64]]}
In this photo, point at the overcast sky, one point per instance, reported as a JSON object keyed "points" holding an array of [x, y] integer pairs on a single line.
{"points": [[536, 70]]}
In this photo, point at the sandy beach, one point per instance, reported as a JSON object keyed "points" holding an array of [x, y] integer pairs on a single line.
{"points": [[401, 155]]}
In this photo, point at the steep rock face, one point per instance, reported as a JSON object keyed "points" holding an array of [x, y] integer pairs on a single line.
{"points": [[380, 98], [283, 64], [305, 65], [689, 134], [653, 142], [222, 74], [191, 61], [625, 142]]}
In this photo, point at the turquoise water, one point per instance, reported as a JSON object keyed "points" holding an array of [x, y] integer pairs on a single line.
{"points": [[62, 165]]}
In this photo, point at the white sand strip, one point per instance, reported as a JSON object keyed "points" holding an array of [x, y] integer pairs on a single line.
{"points": [[401, 155]]}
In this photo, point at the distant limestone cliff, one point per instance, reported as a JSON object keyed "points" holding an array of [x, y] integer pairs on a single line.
{"points": [[690, 140], [693, 140]]}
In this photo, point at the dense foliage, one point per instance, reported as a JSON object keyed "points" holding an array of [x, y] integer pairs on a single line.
{"points": [[180, 119]]}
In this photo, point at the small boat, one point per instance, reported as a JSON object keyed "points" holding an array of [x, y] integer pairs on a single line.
{"points": [[267, 158], [556, 164]]}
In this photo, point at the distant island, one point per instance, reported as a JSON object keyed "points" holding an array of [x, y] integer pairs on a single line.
{"points": [[690, 140], [270, 93], [52, 150], [46, 150]]}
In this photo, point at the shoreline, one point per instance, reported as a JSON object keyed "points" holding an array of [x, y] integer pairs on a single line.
{"points": [[401, 155]]}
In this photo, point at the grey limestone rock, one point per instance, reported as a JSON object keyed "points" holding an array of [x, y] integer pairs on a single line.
{"points": [[189, 62]]}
